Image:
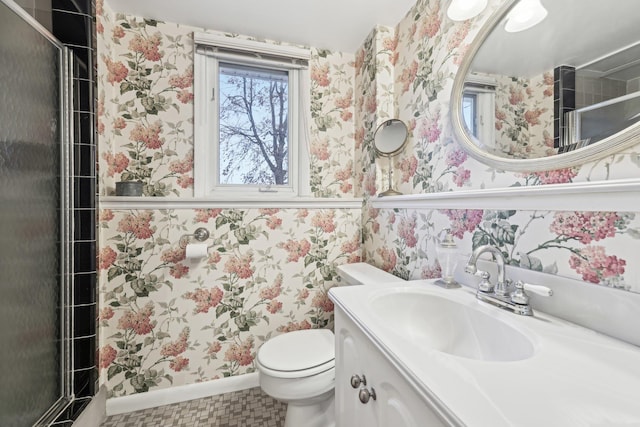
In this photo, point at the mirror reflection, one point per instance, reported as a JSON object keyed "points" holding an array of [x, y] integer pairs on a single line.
{"points": [[559, 85]]}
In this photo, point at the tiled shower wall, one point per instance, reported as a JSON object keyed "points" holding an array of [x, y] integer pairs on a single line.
{"points": [[591, 90], [73, 23]]}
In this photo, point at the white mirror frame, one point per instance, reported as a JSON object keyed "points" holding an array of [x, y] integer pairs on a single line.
{"points": [[608, 146]]}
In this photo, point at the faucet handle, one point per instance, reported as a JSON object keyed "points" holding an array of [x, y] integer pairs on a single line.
{"points": [[519, 296], [484, 285], [538, 289]]}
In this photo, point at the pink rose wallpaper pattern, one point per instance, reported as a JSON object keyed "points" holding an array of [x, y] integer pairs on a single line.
{"points": [[166, 320], [332, 127], [524, 116], [145, 106], [594, 247], [374, 95], [169, 320], [427, 50], [145, 110]]}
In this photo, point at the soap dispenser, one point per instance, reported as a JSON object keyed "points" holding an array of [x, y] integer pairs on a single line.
{"points": [[447, 252]]}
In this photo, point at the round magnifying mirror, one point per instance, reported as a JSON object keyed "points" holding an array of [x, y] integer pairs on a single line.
{"points": [[390, 137], [389, 140]]}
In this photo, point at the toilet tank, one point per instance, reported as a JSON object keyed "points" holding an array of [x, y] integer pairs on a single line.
{"points": [[361, 273]]}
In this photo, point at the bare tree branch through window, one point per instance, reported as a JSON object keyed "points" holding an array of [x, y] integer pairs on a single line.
{"points": [[254, 131]]}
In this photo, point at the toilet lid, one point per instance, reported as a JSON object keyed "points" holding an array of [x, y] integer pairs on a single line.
{"points": [[298, 350]]}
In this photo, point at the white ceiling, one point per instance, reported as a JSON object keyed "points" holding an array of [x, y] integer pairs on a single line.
{"points": [[574, 33], [339, 25]]}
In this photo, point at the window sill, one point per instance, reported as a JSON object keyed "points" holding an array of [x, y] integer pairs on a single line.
{"points": [[124, 202]]}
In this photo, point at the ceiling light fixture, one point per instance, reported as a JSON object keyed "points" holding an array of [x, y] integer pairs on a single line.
{"points": [[461, 10], [525, 15]]}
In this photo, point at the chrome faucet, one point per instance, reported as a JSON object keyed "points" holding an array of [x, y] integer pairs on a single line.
{"points": [[501, 295], [501, 287]]}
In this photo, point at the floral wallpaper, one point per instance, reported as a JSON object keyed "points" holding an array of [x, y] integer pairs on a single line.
{"points": [[429, 49], [145, 104], [365, 99], [145, 109], [524, 116], [332, 129], [592, 246], [167, 320], [374, 94]]}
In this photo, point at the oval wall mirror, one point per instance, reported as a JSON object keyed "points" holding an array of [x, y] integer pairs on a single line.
{"points": [[557, 94], [388, 141]]}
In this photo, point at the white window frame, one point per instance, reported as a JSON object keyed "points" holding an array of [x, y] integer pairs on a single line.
{"points": [[485, 107], [210, 50]]}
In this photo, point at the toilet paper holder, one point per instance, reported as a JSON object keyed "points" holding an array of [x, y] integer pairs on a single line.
{"points": [[200, 234]]}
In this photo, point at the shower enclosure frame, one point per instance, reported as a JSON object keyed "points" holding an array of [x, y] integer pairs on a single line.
{"points": [[66, 203]]}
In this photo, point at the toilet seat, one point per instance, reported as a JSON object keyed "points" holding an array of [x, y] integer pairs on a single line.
{"points": [[298, 354]]}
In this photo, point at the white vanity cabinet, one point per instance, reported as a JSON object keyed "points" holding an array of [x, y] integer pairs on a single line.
{"points": [[425, 370], [396, 404]]}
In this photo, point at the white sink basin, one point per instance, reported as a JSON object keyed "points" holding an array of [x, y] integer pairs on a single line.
{"points": [[433, 322], [487, 367]]}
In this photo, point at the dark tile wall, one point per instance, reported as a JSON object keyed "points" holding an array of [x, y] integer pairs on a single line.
{"points": [[73, 23], [564, 100]]}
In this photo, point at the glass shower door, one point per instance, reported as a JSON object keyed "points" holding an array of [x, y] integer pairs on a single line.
{"points": [[33, 225]]}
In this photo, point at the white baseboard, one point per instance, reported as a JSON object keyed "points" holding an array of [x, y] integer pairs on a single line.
{"points": [[167, 396]]}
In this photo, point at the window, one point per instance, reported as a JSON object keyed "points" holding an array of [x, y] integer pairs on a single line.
{"points": [[250, 102], [253, 132], [470, 111], [478, 111]]}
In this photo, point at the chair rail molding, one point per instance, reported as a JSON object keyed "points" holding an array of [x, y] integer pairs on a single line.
{"points": [[617, 195], [124, 202]]}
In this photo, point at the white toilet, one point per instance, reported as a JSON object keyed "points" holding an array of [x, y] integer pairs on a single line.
{"points": [[298, 367]]}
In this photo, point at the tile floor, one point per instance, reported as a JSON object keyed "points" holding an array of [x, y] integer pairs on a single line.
{"points": [[247, 408]]}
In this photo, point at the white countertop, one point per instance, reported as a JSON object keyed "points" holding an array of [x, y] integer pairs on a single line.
{"points": [[576, 377]]}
